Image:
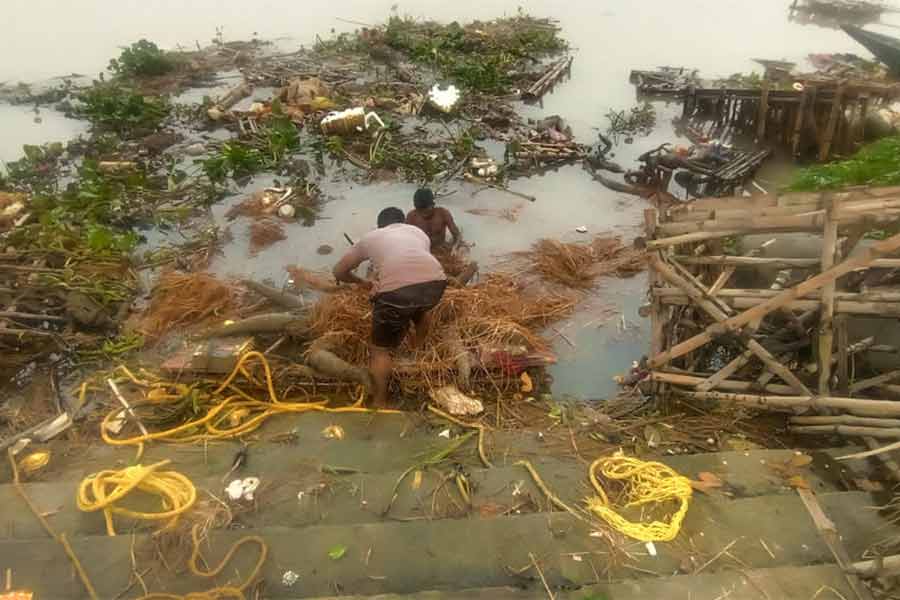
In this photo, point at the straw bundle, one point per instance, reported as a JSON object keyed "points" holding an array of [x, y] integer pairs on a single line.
{"points": [[495, 315], [265, 233], [577, 265], [181, 299]]}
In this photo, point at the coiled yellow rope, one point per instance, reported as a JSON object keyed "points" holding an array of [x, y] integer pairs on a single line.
{"points": [[645, 483], [229, 416], [104, 490]]}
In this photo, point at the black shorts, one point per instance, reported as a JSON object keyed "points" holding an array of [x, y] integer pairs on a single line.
{"points": [[393, 311]]}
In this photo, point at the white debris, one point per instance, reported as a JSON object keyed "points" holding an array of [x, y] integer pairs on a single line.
{"points": [[455, 402], [445, 434], [242, 489], [443, 99], [581, 229], [289, 579], [651, 548]]}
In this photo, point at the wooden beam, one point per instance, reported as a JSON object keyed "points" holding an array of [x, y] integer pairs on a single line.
{"points": [[890, 433], [863, 259], [767, 294], [657, 322], [729, 385], [752, 261], [845, 420], [688, 238]]}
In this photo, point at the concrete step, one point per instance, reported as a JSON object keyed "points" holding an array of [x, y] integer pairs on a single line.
{"points": [[358, 497], [408, 557], [783, 583]]}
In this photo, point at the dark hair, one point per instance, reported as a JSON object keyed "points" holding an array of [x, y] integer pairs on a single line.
{"points": [[423, 198], [390, 216]]}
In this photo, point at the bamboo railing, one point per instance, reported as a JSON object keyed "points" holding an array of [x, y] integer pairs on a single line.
{"points": [[783, 345]]}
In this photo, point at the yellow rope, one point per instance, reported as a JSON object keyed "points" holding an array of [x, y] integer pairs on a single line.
{"points": [[104, 490], [645, 483], [222, 592], [230, 416]]}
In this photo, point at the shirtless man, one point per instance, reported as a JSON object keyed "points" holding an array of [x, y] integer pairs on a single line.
{"points": [[434, 221], [409, 283]]}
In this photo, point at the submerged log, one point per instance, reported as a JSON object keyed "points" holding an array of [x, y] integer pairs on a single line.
{"points": [[284, 299], [329, 364], [267, 323]]}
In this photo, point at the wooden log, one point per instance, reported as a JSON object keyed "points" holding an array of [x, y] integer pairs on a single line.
{"points": [[282, 298], [265, 323], [829, 534], [688, 238], [890, 433], [826, 316], [669, 274], [857, 406], [863, 259], [886, 566]]}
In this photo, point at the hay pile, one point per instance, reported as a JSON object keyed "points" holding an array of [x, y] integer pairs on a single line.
{"points": [[577, 265], [182, 299], [265, 233], [497, 315]]}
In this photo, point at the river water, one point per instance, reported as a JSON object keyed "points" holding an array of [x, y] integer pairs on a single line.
{"points": [[46, 39]]}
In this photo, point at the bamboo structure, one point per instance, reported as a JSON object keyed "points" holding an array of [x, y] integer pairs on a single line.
{"points": [[817, 118], [734, 323]]}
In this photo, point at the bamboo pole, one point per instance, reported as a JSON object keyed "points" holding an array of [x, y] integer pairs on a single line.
{"points": [[752, 261], [763, 113], [798, 126], [857, 406], [845, 420], [845, 350], [688, 238], [836, 105], [842, 307], [657, 322], [871, 382], [891, 433], [829, 534], [729, 385], [826, 317], [863, 259], [669, 274], [765, 294], [725, 372]]}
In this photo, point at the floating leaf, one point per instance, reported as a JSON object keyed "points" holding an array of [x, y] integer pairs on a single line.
{"points": [[707, 482], [337, 552]]}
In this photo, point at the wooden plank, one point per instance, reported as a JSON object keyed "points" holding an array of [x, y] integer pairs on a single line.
{"points": [[829, 534], [863, 259]]}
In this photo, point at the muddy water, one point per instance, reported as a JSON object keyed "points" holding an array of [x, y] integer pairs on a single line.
{"points": [[719, 37]]}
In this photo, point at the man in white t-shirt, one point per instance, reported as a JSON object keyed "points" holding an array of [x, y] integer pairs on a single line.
{"points": [[408, 283]]}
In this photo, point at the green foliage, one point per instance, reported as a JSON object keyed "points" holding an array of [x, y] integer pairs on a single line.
{"points": [[37, 169], [276, 140], [875, 164], [640, 120], [477, 56], [143, 58], [337, 552], [115, 348], [121, 109], [234, 159]]}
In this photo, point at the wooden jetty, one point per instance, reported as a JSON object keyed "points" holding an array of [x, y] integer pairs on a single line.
{"points": [[818, 118]]}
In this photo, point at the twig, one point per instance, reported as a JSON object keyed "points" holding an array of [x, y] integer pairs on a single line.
{"points": [[541, 574], [716, 557], [128, 409]]}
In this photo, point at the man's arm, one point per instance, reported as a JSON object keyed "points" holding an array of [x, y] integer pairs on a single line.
{"points": [[454, 230], [343, 270]]}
